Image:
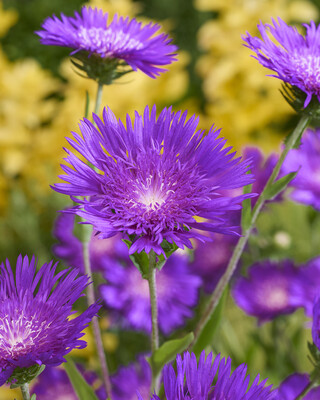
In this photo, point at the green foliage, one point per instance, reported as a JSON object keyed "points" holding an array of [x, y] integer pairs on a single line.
{"points": [[80, 386], [21, 376], [168, 351], [278, 186]]}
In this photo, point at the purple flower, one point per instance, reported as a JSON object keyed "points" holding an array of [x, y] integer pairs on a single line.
{"points": [[316, 323], [294, 385], [293, 57], [271, 289], [153, 179], [123, 39], [128, 380], [306, 161], [34, 313], [196, 381], [127, 295], [54, 383], [310, 276]]}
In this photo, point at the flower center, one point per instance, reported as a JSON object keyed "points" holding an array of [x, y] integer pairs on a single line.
{"points": [[106, 41], [18, 335], [307, 66], [152, 199], [274, 297]]}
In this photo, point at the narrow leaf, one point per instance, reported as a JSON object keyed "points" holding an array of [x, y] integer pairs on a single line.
{"points": [[207, 335], [278, 186], [168, 351], [80, 386]]}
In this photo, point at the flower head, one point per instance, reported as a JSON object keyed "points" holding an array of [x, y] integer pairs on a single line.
{"points": [[121, 41], [306, 161], [293, 57], [270, 290], [196, 381], [128, 380], [294, 385], [152, 180], [34, 314], [54, 383]]}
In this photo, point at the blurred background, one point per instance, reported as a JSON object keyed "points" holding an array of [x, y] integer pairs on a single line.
{"points": [[42, 99]]}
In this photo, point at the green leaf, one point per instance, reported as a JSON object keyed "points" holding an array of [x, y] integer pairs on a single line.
{"points": [[278, 186], [33, 397], [80, 386], [207, 335], [140, 260], [168, 351], [246, 209]]}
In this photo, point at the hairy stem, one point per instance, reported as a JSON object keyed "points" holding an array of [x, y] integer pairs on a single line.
{"points": [[91, 300], [154, 310], [98, 98], [216, 295], [25, 391]]}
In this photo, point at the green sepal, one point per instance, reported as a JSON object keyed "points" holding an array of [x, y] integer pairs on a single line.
{"points": [[207, 335], [278, 186], [79, 384], [140, 260], [102, 70], [168, 351], [296, 98], [33, 397], [168, 248], [314, 355], [21, 376]]}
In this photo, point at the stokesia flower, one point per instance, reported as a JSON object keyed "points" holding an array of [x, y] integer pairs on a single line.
{"points": [[127, 296], [130, 379], [160, 179], [294, 385], [270, 290], [306, 162], [197, 381], [35, 310], [122, 41], [293, 57], [54, 383]]}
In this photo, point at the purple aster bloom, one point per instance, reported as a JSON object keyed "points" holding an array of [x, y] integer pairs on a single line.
{"points": [[316, 323], [123, 39], [151, 180], [305, 160], [293, 57], [196, 381], [35, 310], [127, 295], [271, 289], [294, 385], [128, 380], [54, 383]]}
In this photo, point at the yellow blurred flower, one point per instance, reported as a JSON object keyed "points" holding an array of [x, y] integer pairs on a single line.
{"points": [[240, 98], [7, 19]]}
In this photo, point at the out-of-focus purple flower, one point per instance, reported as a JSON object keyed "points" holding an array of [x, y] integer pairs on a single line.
{"points": [[271, 289], [211, 260], [294, 385], [261, 168], [132, 379], [293, 57], [305, 160], [196, 381], [316, 323], [127, 294], [123, 39], [34, 313], [54, 383], [159, 175]]}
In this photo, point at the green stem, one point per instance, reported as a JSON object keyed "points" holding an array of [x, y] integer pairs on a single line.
{"points": [[25, 391], [98, 98], [95, 323], [216, 295], [154, 310]]}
